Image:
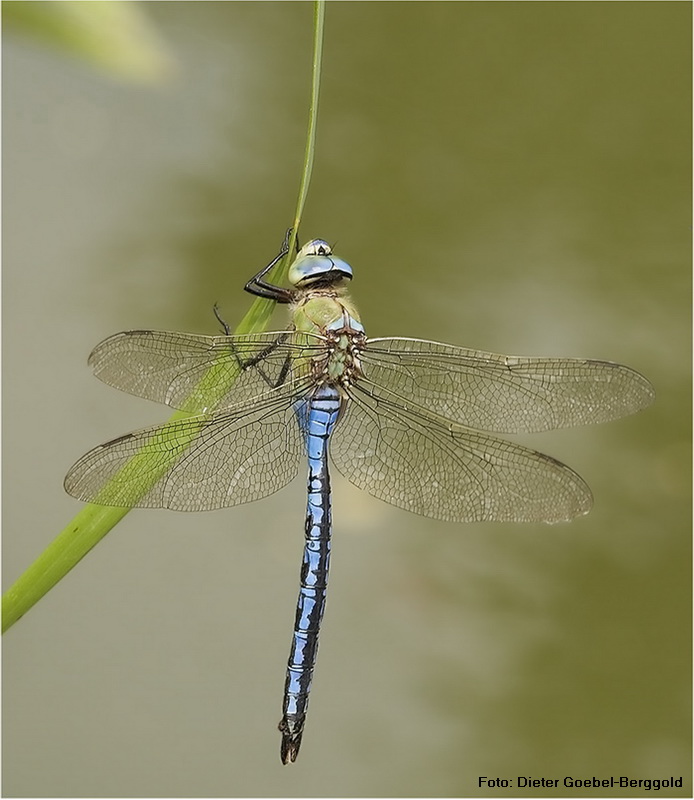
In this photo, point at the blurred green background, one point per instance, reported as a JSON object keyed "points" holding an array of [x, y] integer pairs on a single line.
{"points": [[505, 176]]}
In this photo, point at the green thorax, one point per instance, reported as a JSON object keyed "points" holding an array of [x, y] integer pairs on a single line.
{"points": [[331, 314], [322, 310]]}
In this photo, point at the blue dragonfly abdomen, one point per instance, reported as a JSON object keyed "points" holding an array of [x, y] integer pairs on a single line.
{"points": [[317, 417]]}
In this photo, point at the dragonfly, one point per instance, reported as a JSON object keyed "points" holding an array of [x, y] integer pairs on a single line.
{"points": [[410, 421]]}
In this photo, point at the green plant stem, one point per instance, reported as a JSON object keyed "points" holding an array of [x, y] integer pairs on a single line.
{"points": [[93, 522], [258, 315]]}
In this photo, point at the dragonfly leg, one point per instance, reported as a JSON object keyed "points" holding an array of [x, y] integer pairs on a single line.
{"points": [[256, 285], [256, 361], [226, 328], [281, 378], [287, 237]]}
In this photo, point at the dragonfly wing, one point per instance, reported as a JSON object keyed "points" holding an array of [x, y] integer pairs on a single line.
{"points": [[196, 464], [416, 462], [197, 373], [506, 394]]}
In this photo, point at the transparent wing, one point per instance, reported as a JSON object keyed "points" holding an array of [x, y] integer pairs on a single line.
{"points": [[417, 462], [199, 373], [196, 464], [506, 394]]}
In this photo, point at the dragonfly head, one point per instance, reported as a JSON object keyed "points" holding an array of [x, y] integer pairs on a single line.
{"points": [[316, 265]]}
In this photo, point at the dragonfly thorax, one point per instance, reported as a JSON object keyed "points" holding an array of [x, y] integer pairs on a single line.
{"points": [[341, 364], [330, 314]]}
